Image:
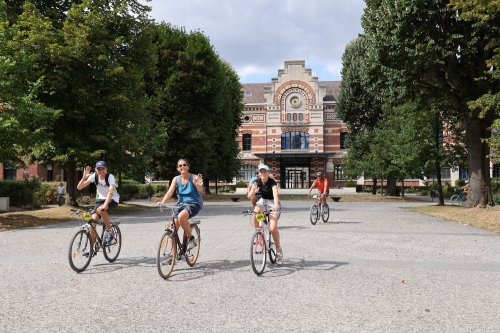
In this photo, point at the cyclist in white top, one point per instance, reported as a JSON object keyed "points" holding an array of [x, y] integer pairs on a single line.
{"points": [[107, 196]]}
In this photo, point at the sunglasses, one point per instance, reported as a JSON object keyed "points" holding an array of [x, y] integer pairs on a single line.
{"points": [[182, 165]]}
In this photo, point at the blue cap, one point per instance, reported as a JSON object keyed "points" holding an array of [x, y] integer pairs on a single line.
{"points": [[263, 166], [101, 164]]}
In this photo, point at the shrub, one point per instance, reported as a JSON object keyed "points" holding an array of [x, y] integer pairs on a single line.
{"points": [[241, 184], [159, 189], [47, 193], [350, 183], [495, 185], [496, 199]]}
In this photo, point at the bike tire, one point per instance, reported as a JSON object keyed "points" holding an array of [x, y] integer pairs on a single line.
{"points": [[313, 214], [325, 213], [112, 250], [192, 255], [272, 247], [80, 242], [258, 253], [454, 200], [166, 248]]}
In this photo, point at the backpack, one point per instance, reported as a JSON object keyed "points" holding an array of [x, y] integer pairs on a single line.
{"points": [[96, 180], [200, 196]]}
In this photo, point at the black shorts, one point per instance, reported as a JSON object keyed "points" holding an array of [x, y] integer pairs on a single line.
{"points": [[98, 203]]}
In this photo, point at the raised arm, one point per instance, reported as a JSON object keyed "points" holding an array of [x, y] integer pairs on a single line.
{"points": [[84, 181]]}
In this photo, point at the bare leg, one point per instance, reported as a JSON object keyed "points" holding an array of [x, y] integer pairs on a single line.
{"points": [[274, 229], [183, 221]]}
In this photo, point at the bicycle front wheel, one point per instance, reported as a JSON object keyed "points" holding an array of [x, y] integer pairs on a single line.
{"points": [[455, 200], [167, 252], [258, 252], [80, 251], [325, 214], [112, 249], [271, 247], [192, 255], [314, 214]]}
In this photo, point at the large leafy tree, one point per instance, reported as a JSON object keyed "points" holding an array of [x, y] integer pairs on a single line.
{"points": [[198, 97], [425, 45], [24, 121], [485, 10], [92, 62]]}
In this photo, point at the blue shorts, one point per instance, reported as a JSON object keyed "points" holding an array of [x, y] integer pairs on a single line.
{"points": [[192, 208]]}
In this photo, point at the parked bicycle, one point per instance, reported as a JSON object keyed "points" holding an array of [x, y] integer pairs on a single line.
{"points": [[262, 243], [81, 249], [317, 210], [172, 249], [458, 199]]}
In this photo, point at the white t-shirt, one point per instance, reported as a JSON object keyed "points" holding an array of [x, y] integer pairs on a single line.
{"points": [[102, 189]]}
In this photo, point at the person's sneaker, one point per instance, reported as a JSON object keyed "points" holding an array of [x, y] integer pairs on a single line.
{"points": [[86, 254], [325, 207], [191, 243], [168, 260], [279, 253], [110, 235]]}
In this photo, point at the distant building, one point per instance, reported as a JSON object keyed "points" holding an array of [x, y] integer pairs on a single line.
{"points": [[290, 124]]}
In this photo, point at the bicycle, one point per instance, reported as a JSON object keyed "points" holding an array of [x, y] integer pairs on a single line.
{"points": [[262, 243], [458, 199], [81, 249], [172, 249], [317, 210]]}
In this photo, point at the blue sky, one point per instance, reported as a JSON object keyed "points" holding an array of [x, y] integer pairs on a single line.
{"points": [[256, 37]]}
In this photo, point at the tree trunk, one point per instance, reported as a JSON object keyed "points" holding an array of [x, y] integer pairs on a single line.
{"points": [[71, 182], [439, 185], [374, 189], [390, 189], [479, 165], [402, 188]]}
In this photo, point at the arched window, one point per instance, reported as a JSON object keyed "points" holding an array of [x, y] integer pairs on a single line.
{"points": [[289, 117], [294, 117], [343, 137], [300, 117], [294, 140]]}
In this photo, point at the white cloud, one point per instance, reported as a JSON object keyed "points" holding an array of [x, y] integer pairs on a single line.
{"points": [[257, 36]]}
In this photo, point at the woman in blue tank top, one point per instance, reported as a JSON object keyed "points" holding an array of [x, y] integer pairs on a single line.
{"points": [[188, 186]]}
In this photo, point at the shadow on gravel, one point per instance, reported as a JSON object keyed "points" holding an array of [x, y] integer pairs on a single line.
{"points": [[285, 267]]}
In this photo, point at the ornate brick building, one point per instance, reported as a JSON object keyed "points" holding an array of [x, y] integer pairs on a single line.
{"points": [[290, 125]]}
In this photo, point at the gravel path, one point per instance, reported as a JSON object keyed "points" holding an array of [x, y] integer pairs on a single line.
{"points": [[374, 267]]}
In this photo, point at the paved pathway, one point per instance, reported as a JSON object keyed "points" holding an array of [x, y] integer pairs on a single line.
{"points": [[375, 267]]}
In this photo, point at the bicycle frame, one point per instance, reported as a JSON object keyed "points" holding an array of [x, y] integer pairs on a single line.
{"points": [[182, 247]]}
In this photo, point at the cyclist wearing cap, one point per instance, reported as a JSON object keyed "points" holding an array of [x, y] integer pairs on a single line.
{"points": [[249, 188], [322, 184], [269, 200], [107, 196]]}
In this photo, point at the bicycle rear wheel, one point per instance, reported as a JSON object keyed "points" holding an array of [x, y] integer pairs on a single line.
{"points": [[325, 214], [192, 255], [258, 252], [167, 252], [112, 249], [272, 247], [314, 214], [79, 244]]}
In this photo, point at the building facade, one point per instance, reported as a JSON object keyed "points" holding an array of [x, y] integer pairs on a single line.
{"points": [[290, 124]]}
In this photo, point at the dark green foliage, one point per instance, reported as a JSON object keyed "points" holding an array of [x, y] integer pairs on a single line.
{"points": [[241, 184]]}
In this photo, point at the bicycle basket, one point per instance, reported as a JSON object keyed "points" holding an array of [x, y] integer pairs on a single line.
{"points": [[260, 217]]}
